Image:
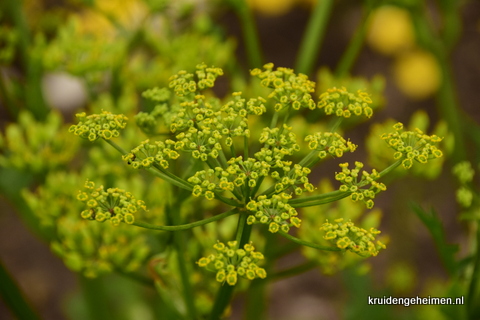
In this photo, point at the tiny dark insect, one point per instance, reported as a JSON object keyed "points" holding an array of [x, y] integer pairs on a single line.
{"points": [[131, 160]]}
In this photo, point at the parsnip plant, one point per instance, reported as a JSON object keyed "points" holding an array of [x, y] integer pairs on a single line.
{"points": [[243, 155]]}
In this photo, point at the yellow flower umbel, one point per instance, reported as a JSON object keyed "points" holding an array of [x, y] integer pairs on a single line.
{"points": [[104, 125], [274, 211], [353, 182], [412, 145], [346, 236], [231, 262], [113, 204], [342, 103]]}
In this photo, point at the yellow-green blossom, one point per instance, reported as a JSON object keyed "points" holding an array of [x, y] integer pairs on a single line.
{"points": [[113, 204], [346, 236], [353, 183], [412, 145], [274, 212], [95, 126], [345, 104], [230, 262]]}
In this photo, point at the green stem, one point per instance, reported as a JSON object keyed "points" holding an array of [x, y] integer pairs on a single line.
{"points": [[308, 244], [446, 96], [179, 239], [337, 124], [116, 146], [335, 195], [475, 278], [274, 121], [245, 148], [308, 158], [304, 267], [318, 199], [95, 297], [249, 31], [158, 171], [313, 37], [449, 108], [175, 182], [13, 297], [355, 45], [136, 277], [225, 292], [188, 225], [31, 64]]}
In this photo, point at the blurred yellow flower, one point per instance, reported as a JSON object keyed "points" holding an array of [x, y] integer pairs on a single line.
{"points": [[417, 74], [390, 30], [107, 13], [271, 7]]}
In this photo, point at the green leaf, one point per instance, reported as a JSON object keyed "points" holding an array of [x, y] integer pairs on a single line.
{"points": [[434, 225]]}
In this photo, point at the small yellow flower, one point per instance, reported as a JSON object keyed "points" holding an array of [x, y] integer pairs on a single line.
{"points": [[390, 30], [417, 74]]}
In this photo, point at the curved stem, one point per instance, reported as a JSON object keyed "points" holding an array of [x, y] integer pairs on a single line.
{"points": [[188, 225], [308, 244]]}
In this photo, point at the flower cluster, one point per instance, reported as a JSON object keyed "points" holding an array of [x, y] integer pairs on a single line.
{"points": [[147, 154], [36, 146], [114, 204], [464, 173], [231, 262], [274, 211], [346, 236], [329, 143], [238, 173], [351, 182], [184, 83], [292, 178], [343, 103], [289, 89], [104, 125], [412, 145], [282, 141]]}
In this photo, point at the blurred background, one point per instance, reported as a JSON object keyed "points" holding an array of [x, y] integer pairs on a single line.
{"points": [[418, 59]]}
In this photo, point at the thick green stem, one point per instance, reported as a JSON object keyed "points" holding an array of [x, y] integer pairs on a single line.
{"points": [[308, 244], [188, 225], [449, 108], [313, 37], [31, 64], [250, 34], [13, 297], [446, 96], [225, 292], [472, 300], [116, 146], [354, 47], [179, 239]]}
